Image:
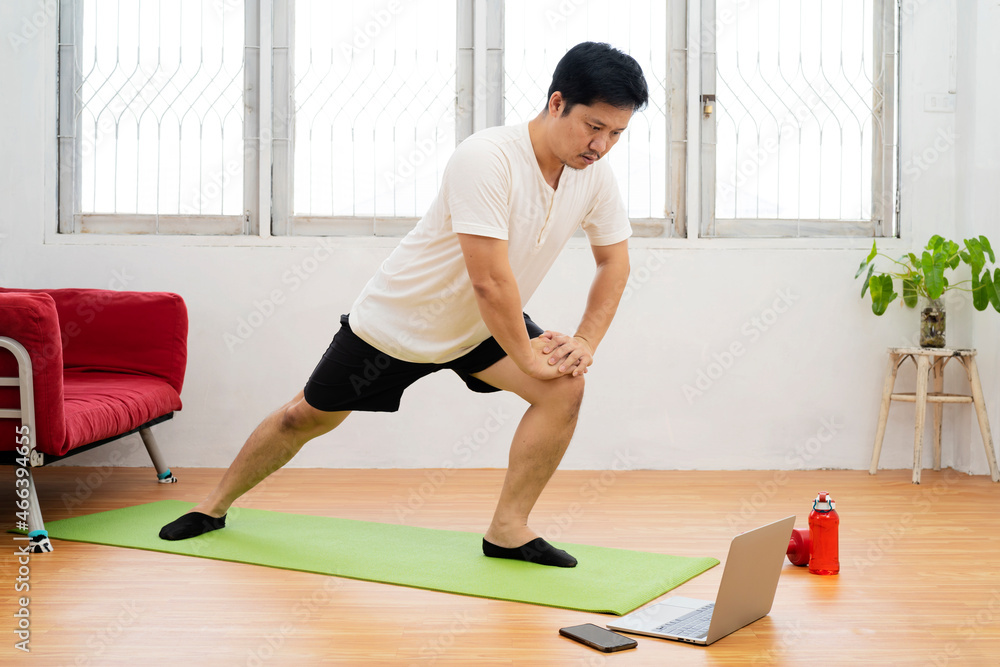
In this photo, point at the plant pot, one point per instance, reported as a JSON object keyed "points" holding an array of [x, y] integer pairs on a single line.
{"points": [[932, 321]]}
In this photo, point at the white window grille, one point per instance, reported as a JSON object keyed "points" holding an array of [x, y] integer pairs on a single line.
{"points": [[798, 129], [156, 99], [159, 110], [364, 113]]}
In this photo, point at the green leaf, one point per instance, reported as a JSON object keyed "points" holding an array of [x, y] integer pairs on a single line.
{"points": [[914, 262], [876, 286], [933, 267], [986, 246], [980, 299], [888, 295], [976, 259], [993, 288], [935, 242], [909, 292], [882, 294], [861, 269], [872, 254], [864, 288]]}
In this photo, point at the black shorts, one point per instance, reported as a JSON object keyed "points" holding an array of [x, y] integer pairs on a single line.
{"points": [[353, 375]]}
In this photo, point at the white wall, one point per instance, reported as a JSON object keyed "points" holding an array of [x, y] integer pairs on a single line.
{"points": [[977, 192], [802, 390]]}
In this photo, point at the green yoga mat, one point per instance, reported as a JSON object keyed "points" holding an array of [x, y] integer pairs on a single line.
{"points": [[606, 580]]}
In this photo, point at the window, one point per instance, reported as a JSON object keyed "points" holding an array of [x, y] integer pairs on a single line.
{"points": [[370, 109], [152, 116], [363, 102], [377, 106], [798, 124]]}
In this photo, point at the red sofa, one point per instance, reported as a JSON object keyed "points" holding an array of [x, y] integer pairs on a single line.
{"points": [[82, 367]]}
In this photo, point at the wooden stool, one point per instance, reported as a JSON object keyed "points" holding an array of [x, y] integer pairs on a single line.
{"points": [[934, 360]]}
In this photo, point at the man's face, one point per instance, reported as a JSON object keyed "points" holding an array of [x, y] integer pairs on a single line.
{"points": [[585, 134]]}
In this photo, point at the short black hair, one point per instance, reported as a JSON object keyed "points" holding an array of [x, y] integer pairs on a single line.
{"points": [[597, 72]]}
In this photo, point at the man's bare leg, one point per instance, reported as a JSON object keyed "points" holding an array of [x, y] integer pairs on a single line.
{"points": [[272, 444], [539, 443]]}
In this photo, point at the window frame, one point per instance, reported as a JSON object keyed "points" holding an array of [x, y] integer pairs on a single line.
{"points": [[885, 156], [268, 134], [479, 58], [71, 220]]}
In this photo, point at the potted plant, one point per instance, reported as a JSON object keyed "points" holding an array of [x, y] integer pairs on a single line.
{"points": [[923, 280]]}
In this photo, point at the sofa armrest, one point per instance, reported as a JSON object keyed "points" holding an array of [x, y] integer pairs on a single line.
{"points": [[126, 332], [31, 319]]}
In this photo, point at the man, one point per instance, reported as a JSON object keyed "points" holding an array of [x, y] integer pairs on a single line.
{"points": [[451, 296]]}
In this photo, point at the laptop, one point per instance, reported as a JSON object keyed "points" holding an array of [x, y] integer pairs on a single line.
{"points": [[745, 594]]}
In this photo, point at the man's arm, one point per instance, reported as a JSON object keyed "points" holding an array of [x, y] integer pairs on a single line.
{"points": [[575, 354], [499, 301], [605, 292]]}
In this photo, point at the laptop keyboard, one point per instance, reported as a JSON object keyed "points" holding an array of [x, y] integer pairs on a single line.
{"points": [[694, 624]]}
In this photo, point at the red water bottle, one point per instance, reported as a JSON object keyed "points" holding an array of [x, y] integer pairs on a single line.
{"points": [[824, 556]]}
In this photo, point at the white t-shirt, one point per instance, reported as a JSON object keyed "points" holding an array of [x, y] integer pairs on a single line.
{"points": [[420, 305]]}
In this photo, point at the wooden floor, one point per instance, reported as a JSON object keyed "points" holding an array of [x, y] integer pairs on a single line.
{"points": [[919, 584]]}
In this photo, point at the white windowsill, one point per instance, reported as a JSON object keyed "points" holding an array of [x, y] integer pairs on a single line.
{"points": [[353, 242]]}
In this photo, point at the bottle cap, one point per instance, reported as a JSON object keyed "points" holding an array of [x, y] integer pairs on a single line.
{"points": [[823, 502]]}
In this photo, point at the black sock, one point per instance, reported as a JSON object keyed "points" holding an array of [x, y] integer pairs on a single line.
{"points": [[536, 551], [191, 525]]}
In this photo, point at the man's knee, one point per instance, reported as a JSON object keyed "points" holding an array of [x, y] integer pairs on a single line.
{"points": [[300, 417], [568, 393]]}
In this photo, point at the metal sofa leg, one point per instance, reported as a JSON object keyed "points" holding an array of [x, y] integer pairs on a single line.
{"points": [[38, 537], [163, 474]]}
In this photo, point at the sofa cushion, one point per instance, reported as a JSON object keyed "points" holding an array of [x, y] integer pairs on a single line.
{"points": [[30, 319], [142, 333], [102, 405], [126, 332]]}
